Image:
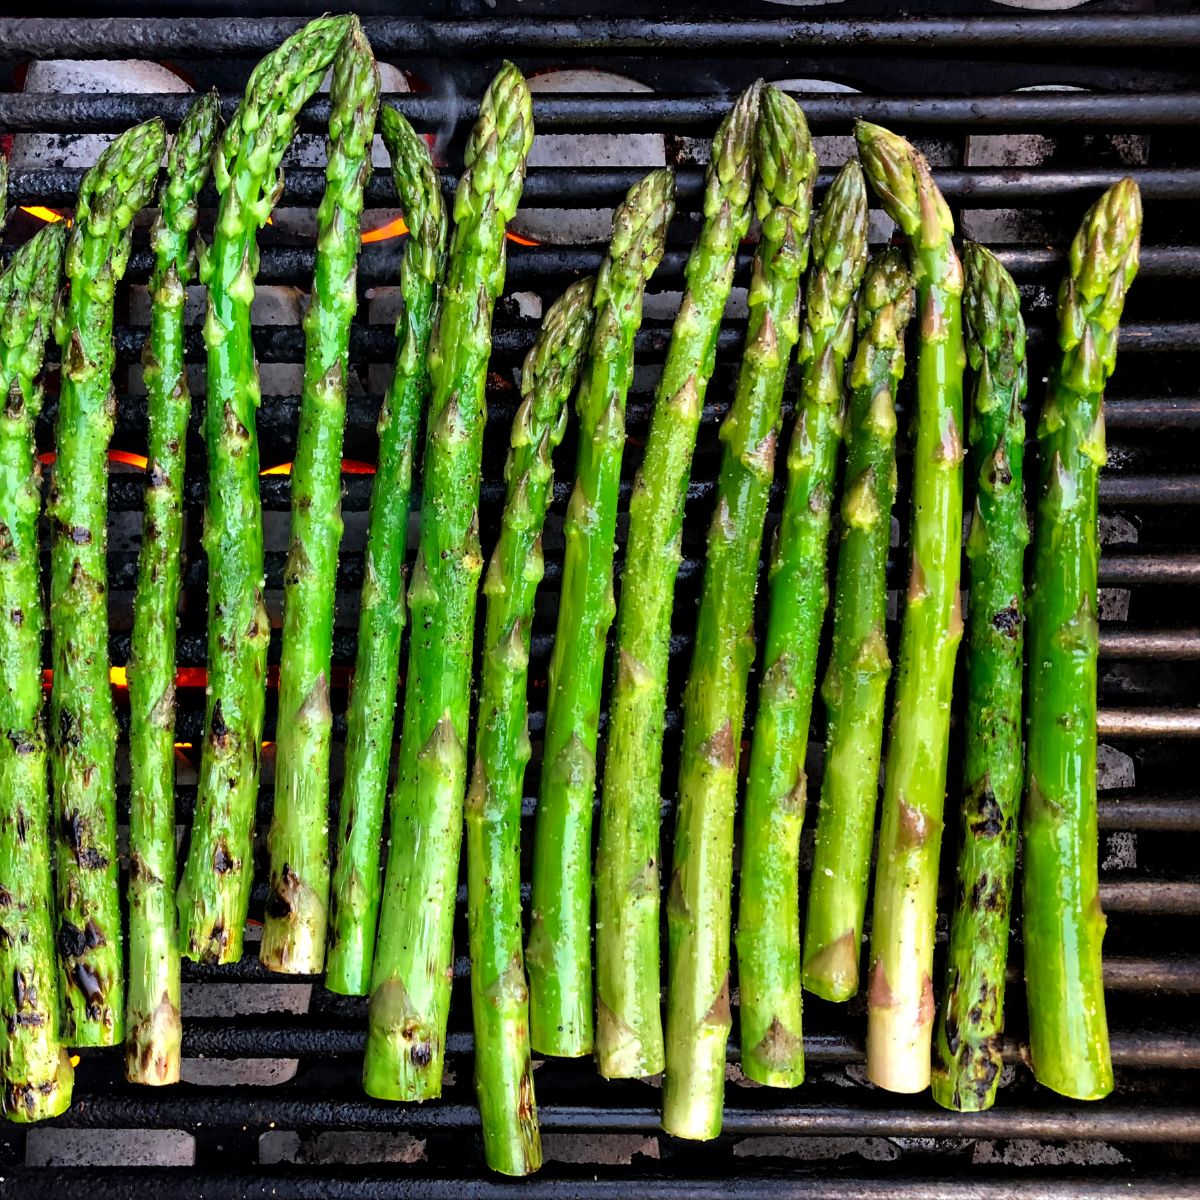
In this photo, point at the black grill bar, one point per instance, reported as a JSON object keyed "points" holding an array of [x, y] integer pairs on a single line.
{"points": [[108, 112], [488, 37]]}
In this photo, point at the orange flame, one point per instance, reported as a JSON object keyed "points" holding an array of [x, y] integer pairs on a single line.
{"points": [[393, 229], [350, 466], [519, 240], [130, 460], [43, 214]]}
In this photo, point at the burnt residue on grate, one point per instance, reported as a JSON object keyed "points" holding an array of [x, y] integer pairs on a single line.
{"points": [[1026, 117]]}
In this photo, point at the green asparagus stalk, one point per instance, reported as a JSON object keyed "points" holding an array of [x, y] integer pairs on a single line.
{"points": [[966, 1056], [560, 944], [629, 1037], [859, 666], [153, 1029], [297, 909], [900, 991], [214, 892], [410, 983], [699, 906], [768, 936], [82, 723], [35, 1070], [354, 912], [499, 996], [1063, 922]]}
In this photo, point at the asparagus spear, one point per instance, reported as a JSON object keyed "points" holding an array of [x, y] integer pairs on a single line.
{"points": [[153, 1030], [82, 724], [859, 666], [1063, 922], [354, 911], [769, 909], [900, 992], [35, 1070], [699, 908], [410, 983], [629, 1038], [293, 938], [560, 948], [499, 996], [214, 891], [966, 1057]]}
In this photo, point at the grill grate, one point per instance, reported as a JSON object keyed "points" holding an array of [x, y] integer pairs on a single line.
{"points": [[273, 1104]]}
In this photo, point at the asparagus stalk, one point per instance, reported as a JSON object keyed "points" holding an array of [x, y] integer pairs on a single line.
{"points": [[859, 666], [629, 1038], [214, 892], [297, 909], [82, 723], [499, 996], [699, 906], [776, 790], [354, 911], [560, 946], [900, 991], [153, 1029], [966, 1057], [410, 983], [1063, 922], [35, 1070]]}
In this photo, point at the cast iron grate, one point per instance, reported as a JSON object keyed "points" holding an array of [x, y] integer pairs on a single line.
{"points": [[272, 1103]]}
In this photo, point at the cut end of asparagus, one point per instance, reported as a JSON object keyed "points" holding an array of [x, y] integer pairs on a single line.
{"points": [[904, 183], [404, 1056], [27, 1101], [787, 163], [152, 1049], [898, 1035]]}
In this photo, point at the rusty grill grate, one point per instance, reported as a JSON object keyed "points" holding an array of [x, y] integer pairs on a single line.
{"points": [[271, 1103]]}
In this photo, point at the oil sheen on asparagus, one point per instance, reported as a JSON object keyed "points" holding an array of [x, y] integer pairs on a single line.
{"points": [[214, 891], [1062, 920], [297, 908], [629, 1035], [560, 933], [966, 1058], [153, 1031], [859, 666], [370, 715], [83, 726], [499, 995], [410, 984], [699, 901], [36, 1076], [768, 936], [900, 989]]}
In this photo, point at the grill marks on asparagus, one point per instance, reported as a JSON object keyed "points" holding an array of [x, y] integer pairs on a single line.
{"points": [[628, 994], [214, 891], [499, 996], [153, 1026], [35, 1071], [298, 841], [82, 722], [410, 985], [560, 936], [370, 717], [1063, 924], [966, 1063]]}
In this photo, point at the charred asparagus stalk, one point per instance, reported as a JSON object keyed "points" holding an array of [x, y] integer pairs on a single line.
{"points": [[1063, 923], [410, 984], [699, 909], [214, 892], [153, 1030], [298, 841], [900, 995], [35, 1071], [560, 936], [776, 789], [629, 1040], [966, 1058], [499, 996], [82, 723], [354, 912]]}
